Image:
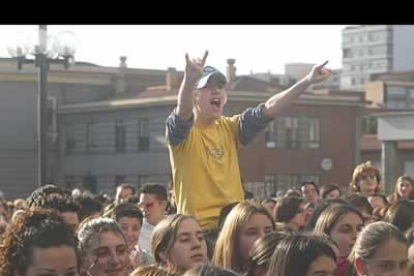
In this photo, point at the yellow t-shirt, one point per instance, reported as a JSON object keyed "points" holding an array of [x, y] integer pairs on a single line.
{"points": [[206, 172]]}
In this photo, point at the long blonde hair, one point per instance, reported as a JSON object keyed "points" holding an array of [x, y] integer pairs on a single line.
{"points": [[164, 236], [227, 251]]}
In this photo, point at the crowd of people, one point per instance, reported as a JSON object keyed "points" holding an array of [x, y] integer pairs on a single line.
{"points": [[309, 230], [207, 226]]}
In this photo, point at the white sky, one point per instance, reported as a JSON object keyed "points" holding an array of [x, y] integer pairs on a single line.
{"points": [[257, 48]]}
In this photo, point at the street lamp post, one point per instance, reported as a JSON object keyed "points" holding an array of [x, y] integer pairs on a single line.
{"points": [[61, 52]]}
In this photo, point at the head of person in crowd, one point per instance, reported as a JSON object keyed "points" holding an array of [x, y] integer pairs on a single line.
{"points": [[132, 200], [123, 191], [211, 84], [209, 270], [319, 208], [362, 204], [269, 203], [41, 194], [103, 248], [380, 250], [401, 214], [261, 251], [404, 188], [172, 205], [38, 242], [69, 211], [245, 223], [309, 208], [291, 211], [366, 179], [342, 223], [105, 199], [89, 207], [153, 202], [310, 191], [378, 201], [65, 207], [130, 219], [224, 212], [248, 195], [302, 255], [178, 244], [330, 191], [151, 271], [293, 192]]}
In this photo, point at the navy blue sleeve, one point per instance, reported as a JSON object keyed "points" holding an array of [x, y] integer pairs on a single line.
{"points": [[252, 122], [177, 128]]}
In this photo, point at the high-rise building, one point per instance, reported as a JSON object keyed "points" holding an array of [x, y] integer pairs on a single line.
{"points": [[371, 49]]}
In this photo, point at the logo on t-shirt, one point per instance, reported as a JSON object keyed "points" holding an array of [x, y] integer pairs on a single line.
{"points": [[216, 153]]}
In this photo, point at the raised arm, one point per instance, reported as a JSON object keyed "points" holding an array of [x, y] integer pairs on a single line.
{"points": [[278, 102], [193, 72]]}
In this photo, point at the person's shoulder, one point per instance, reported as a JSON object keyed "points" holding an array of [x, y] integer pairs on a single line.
{"points": [[228, 120]]}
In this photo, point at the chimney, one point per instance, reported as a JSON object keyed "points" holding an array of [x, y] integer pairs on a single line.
{"points": [[170, 78], [120, 76], [231, 70]]}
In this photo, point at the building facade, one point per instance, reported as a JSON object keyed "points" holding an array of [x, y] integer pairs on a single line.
{"points": [[370, 49], [107, 126]]}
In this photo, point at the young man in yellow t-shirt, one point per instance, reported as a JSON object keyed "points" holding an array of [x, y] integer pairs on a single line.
{"points": [[203, 144]]}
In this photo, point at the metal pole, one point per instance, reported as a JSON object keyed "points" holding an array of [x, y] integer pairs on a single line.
{"points": [[42, 65]]}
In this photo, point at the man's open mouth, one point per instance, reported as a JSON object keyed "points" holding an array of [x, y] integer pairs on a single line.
{"points": [[215, 102]]}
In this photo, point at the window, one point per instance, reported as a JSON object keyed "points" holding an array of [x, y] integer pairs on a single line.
{"points": [[379, 64], [120, 136], [396, 97], [377, 35], [70, 137], [347, 53], [293, 133], [143, 134], [91, 135], [52, 118], [284, 182], [370, 125], [377, 50]]}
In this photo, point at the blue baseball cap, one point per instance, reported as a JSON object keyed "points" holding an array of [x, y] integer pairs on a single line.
{"points": [[212, 73]]}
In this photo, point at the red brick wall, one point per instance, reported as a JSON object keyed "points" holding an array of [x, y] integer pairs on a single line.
{"points": [[337, 125]]}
